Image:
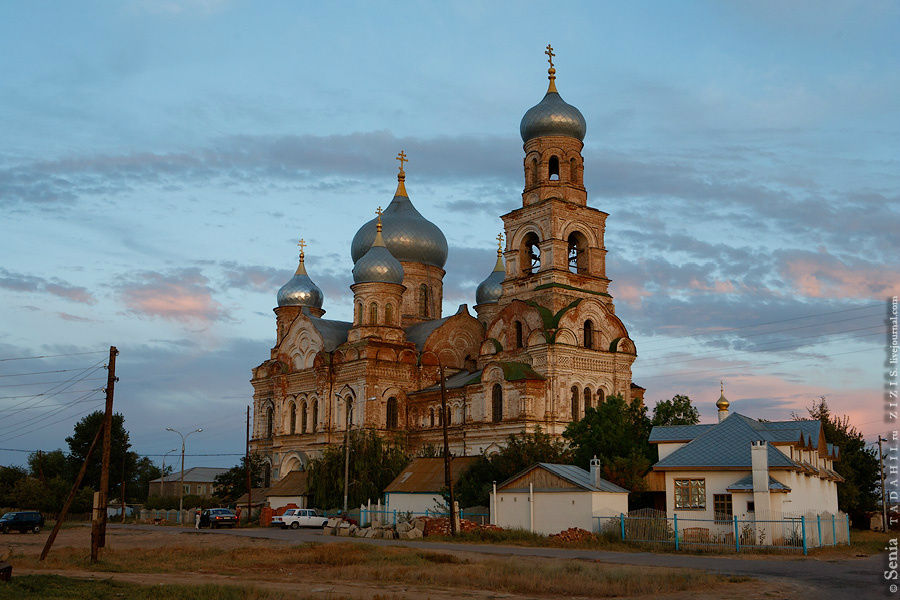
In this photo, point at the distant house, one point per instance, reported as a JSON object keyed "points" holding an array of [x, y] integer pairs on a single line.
{"points": [[290, 489], [418, 487], [198, 481], [549, 498], [746, 468]]}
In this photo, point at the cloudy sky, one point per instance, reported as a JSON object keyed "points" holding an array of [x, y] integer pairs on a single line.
{"points": [[160, 158]]}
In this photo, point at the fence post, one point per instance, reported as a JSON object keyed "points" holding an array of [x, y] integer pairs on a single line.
{"points": [[803, 530], [819, 543], [737, 537], [675, 519], [833, 532], [847, 520], [622, 524]]}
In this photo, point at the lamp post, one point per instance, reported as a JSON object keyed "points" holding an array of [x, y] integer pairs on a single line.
{"points": [[448, 479], [181, 490], [347, 453], [162, 483]]}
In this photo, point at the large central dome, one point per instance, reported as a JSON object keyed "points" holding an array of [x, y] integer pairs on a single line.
{"points": [[552, 116], [408, 235]]}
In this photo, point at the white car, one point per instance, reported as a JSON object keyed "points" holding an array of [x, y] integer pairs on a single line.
{"points": [[299, 517]]}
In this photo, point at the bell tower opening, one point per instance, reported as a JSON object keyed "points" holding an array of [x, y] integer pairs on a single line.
{"points": [[578, 258], [531, 254], [553, 169]]}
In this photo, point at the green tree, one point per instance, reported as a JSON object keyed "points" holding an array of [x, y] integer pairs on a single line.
{"points": [[374, 462], [80, 441], [232, 484], [521, 451], [677, 411], [618, 434], [857, 464], [9, 477], [47, 465], [138, 485]]}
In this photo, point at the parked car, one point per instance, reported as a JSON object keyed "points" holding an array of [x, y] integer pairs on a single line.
{"points": [[299, 517], [22, 521], [217, 517]]}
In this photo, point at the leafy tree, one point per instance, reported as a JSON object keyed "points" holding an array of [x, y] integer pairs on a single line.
{"points": [[857, 464], [138, 485], [9, 477], [521, 451], [232, 484], [47, 465], [374, 462], [677, 411], [80, 441]]}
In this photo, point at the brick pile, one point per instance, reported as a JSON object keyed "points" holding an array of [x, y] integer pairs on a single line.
{"points": [[573, 534], [441, 526]]}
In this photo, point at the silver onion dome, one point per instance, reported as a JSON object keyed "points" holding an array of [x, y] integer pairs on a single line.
{"points": [[490, 290], [378, 264], [552, 115], [300, 290], [408, 235]]}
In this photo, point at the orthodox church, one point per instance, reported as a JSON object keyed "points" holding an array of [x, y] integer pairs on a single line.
{"points": [[544, 343]]}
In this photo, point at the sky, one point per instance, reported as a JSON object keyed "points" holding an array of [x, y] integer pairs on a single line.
{"points": [[159, 160]]}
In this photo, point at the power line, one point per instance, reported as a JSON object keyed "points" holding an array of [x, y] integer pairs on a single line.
{"points": [[39, 372], [39, 395], [52, 355], [58, 389], [23, 450], [57, 421], [48, 382], [53, 411]]}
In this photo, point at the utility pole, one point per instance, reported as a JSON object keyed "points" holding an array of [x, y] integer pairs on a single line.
{"points": [[124, 454], [181, 491], [448, 479], [98, 527], [884, 521], [347, 453], [249, 476]]}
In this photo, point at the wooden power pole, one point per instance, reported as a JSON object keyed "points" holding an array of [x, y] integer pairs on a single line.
{"points": [[884, 521], [98, 527], [249, 476]]}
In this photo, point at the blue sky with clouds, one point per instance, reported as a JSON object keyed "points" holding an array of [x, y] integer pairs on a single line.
{"points": [[159, 160]]}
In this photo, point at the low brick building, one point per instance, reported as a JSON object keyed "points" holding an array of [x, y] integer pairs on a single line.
{"points": [[198, 481]]}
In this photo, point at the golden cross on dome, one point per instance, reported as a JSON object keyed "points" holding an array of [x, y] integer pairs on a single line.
{"points": [[378, 212], [550, 55], [499, 241], [402, 158], [378, 224], [301, 244], [722, 386]]}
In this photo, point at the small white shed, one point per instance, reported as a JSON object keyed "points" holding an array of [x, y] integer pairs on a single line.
{"points": [[548, 498], [417, 489]]}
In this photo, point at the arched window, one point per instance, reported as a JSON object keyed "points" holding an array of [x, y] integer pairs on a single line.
{"points": [[431, 417], [348, 411], [358, 317], [573, 171], [270, 421], [530, 254], [423, 300], [578, 256], [587, 398], [588, 334], [304, 419], [315, 416], [389, 314], [600, 397], [392, 413], [535, 173], [267, 475], [293, 418], [518, 334], [497, 403], [574, 403], [373, 314], [553, 169]]}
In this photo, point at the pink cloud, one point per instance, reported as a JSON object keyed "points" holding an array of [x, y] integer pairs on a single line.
{"points": [[821, 275], [179, 296], [631, 293]]}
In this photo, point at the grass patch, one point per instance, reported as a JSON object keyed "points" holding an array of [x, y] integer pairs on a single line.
{"points": [[54, 587], [369, 562]]}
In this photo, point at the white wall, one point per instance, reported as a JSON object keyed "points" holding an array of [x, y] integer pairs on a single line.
{"points": [[418, 503], [277, 502], [556, 511]]}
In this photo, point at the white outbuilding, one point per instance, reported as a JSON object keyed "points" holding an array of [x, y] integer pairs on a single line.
{"points": [[548, 498]]}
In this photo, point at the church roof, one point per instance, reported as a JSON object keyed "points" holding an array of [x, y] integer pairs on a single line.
{"points": [[334, 333], [457, 380], [418, 333]]}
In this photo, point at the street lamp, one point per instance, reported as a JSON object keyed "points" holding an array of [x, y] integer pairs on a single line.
{"points": [[181, 491], [448, 479], [162, 484]]}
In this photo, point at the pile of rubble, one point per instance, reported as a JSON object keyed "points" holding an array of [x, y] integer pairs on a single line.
{"points": [[441, 526], [573, 534], [412, 530]]}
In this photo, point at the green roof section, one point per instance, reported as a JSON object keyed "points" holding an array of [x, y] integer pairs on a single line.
{"points": [[546, 286], [516, 371]]}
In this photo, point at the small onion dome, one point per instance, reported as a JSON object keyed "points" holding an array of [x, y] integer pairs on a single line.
{"points": [[722, 403], [407, 234], [490, 290], [300, 289], [378, 264], [552, 116]]}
